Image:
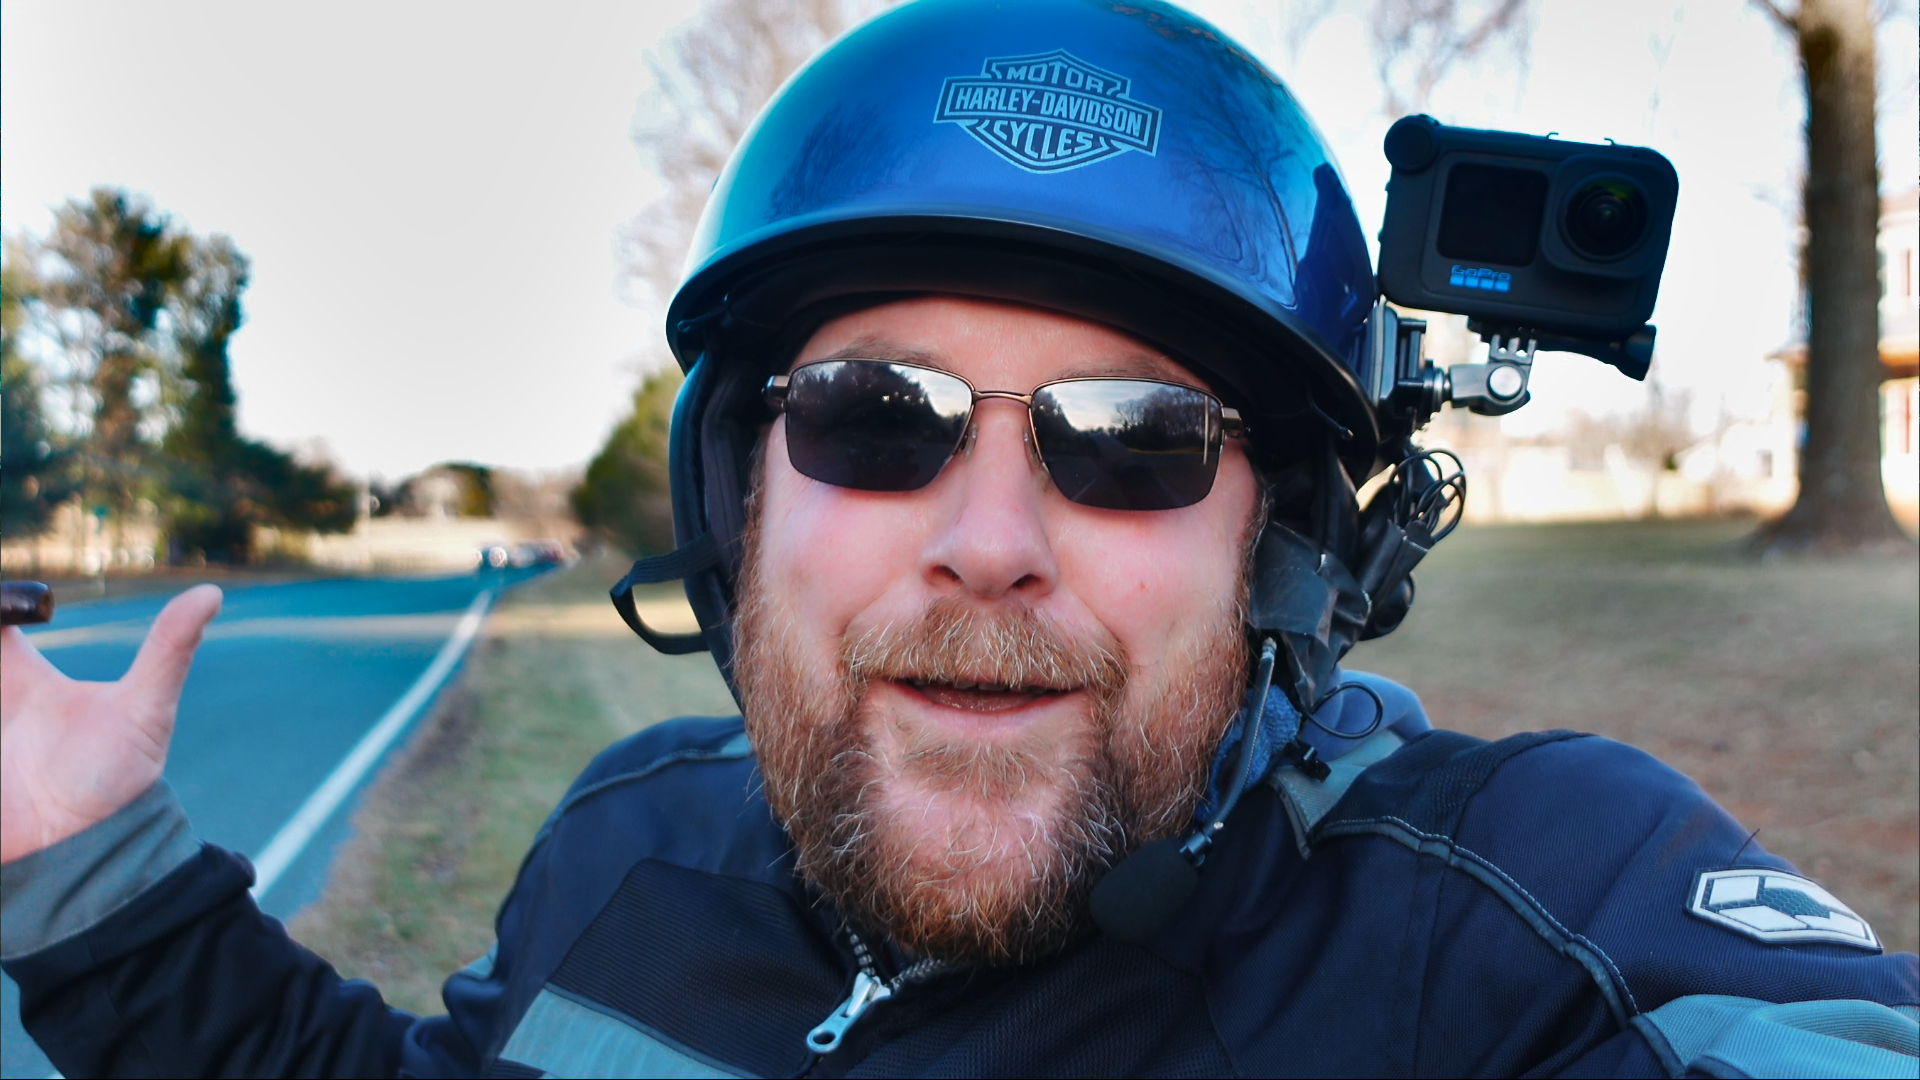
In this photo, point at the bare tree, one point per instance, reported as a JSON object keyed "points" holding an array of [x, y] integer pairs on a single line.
{"points": [[1659, 431], [710, 81], [1842, 502], [1418, 43]]}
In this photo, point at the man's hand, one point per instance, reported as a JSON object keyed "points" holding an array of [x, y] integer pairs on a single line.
{"points": [[72, 753]]}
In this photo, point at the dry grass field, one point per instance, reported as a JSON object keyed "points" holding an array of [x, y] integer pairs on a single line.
{"points": [[1790, 690], [439, 835]]}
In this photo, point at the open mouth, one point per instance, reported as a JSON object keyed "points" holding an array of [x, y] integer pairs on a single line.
{"points": [[980, 696]]}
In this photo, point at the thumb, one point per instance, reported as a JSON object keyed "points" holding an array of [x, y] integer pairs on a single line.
{"points": [[22, 671], [161, 667]]}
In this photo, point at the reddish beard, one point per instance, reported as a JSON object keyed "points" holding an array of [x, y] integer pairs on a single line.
{"points": [[1025, 827]]}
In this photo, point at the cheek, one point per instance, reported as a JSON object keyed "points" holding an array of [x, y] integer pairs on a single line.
{"points": [[829, 554], [1162, 581]]}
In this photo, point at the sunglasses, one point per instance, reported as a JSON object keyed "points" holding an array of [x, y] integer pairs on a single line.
{"points": [[1116, 444]]}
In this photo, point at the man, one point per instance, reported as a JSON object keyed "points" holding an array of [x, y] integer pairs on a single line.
{"points": [[1014, 476]]}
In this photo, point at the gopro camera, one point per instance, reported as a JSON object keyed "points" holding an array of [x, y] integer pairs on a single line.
{"points": [[1542, 243]]}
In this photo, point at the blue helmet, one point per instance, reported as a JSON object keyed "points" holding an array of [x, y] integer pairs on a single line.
{"points": [[1124, 162]]}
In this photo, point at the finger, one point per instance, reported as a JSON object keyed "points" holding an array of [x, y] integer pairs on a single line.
{"points": [[22, 670], [167, 653]]}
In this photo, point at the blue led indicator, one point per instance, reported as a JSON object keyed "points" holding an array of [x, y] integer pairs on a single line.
{"points": [[1469, 277]]}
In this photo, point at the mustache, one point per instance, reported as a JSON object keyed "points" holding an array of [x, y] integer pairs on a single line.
{"points": [[1029, 818], [958, 643]]}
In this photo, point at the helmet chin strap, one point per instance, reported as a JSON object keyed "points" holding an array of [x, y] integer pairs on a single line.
{"points": [[1147, 888], [1307, 609]]}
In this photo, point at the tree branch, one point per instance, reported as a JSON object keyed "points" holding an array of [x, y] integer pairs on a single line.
{"points": [[1790, 22]]}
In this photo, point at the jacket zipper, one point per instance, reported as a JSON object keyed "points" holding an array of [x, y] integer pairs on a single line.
{"points": [[868, 988]]}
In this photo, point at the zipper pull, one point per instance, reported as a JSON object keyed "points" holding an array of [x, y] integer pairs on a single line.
{"points": [[825, 1039]]}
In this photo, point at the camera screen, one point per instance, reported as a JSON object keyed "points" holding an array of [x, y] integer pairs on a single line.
{"points": [[1492, 214]]}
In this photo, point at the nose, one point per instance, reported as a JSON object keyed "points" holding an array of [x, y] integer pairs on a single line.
{"points": [[992, 541]]}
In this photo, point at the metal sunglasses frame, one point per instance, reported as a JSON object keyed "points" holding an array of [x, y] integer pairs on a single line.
{"points": [[1231, 424]]}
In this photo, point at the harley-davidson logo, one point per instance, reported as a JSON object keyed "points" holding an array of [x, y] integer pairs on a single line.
{"points": [[1050, 112]]}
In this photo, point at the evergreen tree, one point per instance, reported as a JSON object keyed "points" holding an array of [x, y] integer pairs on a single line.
{"points": [[710, 81], [136, 315], [476, 488], [623, 495], [104, 274], [35, 473], [219, 484]]}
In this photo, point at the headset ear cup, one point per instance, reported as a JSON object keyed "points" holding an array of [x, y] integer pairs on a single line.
{"points": [[1336, 510], [1390, 610], [716, 422], [1306, 600], [728, 433], [683, 450]]}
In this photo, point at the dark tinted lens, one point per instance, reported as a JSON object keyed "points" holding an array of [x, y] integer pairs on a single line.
{"points": [[874, 426], [1128, 444]]}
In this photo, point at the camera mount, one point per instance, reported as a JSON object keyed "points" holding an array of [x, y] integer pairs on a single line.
{"points": [[1410, 388], [1498, 386], [1545, 245]]}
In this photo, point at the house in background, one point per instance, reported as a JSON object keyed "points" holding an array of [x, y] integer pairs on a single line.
{"points": [[82, 541], [1641, 465], [1899, 251], [1900, 352], [450, 517], [1653, 465]]}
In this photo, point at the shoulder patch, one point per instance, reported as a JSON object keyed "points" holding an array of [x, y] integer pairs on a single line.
{"points": [[1777, 908]]}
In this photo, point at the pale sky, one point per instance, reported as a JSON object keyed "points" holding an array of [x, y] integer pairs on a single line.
{"points": [[430, 193]]}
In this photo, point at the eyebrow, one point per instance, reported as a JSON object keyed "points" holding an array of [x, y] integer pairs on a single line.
{"points": [[1122, 366], [1135, 366], [878, 348]]}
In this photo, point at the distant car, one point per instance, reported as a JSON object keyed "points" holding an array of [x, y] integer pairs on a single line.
{"points": [[495, 556], [533, 553]]}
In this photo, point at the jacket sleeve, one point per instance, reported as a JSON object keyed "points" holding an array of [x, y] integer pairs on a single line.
{"points": [[1717, 958], [139, 952]]}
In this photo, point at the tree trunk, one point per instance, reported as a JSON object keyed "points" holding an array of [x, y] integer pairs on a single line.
{"points": [[1842, 502]]}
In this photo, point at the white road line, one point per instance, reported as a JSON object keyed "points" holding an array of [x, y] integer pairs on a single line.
{"points": [[293, 837]]}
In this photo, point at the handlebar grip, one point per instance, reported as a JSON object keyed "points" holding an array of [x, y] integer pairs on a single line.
{"points": [[24, 603]]}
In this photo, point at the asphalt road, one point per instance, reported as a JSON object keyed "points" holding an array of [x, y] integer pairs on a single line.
{"points": [[289, 681]]}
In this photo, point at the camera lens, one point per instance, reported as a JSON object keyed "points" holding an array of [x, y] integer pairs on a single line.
{"points": [[1605, 217]]}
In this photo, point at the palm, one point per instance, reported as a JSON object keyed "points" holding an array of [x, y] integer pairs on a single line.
{"points": [[72, 752]]}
